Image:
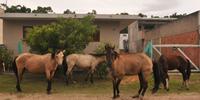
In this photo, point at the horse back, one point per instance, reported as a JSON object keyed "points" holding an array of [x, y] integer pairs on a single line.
{"points": [[80, 60], [171, 62], [133, 63], [32, 62]]}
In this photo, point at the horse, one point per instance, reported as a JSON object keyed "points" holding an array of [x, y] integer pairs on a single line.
{"points": [[35, 63], [128, 64], [172, 62], [83, 61]]}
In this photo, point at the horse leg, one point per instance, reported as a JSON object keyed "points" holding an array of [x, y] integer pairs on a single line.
{"points": [[19, 79], [145, 83], [18, 87], [86, 78], [91, 76], [185, 79], [141, 85], [69, 74], [117, 86], [184, 76], [114, 88], [165, 81], [48, 76]]}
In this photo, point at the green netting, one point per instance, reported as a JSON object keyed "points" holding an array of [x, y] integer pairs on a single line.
{"points": [[20, 47], [148, 49]]}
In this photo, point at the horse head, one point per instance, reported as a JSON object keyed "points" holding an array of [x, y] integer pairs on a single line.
{"points": [[111, 54], [58, 56]]}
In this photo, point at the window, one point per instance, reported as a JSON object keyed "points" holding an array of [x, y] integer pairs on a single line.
{"points": [[96, 37], [25, 30]]}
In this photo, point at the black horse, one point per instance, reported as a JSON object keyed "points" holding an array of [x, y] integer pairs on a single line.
{"points": [[171, 62]]}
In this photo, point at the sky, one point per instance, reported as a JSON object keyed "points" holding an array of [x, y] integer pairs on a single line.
{"points": [[147, 7]]}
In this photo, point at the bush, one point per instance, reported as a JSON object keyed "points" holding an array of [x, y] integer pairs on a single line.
{"points": [[6, 55], [102, 68], [70, 34]]}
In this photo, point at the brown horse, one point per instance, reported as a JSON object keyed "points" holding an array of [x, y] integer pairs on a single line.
{"points": [[172, 62], [83, 61], [128, 64], [37, 64]]}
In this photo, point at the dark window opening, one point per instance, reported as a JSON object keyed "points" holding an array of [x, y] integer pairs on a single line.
{"points": [[125, 30], [25, 31], [96, 36]]}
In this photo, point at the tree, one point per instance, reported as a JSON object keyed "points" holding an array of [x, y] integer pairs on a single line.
{"points": [[124, 13], [69, 12], [152, 16], [94, 12], [43, 10], [70, 34], [142, 15], [16, 9], [175, 15]]}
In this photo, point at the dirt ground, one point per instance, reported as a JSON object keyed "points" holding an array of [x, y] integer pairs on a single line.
{"points": [[59, 96]]}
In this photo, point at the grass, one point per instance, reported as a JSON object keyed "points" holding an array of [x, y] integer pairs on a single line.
{"points": [[37, 84]]}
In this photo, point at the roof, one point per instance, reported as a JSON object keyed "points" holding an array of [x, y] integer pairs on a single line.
{"points": [[97, 16], [54, 16]]}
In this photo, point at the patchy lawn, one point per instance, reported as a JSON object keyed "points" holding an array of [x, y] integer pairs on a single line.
{"points": [[36, 84]]}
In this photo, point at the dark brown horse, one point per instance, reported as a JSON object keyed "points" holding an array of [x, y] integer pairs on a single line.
{"points": [[128, 64], [83, 61], [172, 62], [37, 64]]}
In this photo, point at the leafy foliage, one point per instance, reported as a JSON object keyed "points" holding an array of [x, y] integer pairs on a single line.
{"points": [[70, 34], [6, 56], [175, 15], [43, 10], [142, 15], [102, 70], [16, 9], [69, 12], [94, 12]]}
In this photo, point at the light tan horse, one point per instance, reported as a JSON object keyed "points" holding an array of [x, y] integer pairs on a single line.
{"points": [[84, 61], [34, 63], [128, 64]]}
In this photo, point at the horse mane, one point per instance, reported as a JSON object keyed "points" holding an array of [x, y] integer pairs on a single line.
{"points": [[97, 55], [54, 53], [116, 55]]}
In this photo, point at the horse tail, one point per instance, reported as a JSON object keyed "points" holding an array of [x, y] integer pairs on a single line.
{"points": [[156, 75], [188, 69], [14, 66]]}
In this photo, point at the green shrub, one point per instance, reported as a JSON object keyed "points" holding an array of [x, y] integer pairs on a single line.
{"points": [[6, 55], [102, 68]]}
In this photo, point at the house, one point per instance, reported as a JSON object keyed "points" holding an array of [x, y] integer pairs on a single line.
{"points": [[13, 28]]}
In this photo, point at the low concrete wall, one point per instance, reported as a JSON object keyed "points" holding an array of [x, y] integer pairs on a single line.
{"points": [[186, 24]]}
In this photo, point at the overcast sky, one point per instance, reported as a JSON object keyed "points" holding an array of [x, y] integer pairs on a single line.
{"points": [[148, 7]]}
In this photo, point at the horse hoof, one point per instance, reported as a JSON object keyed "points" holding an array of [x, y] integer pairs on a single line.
{"points": [[140, 97], [118, 96], [19, 90], [115, 97], [74, 82], [153, 91], [167, 89], [48, 92], [136, 96]]}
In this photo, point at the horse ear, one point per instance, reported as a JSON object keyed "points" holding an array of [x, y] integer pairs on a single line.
{"points": [[106, 46], [113, 47]]}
